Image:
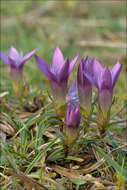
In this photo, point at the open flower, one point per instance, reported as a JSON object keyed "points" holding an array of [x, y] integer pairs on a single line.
{"points": [[104, 79], [72, 122], [57, 74], [85, 85], [15, 60]]}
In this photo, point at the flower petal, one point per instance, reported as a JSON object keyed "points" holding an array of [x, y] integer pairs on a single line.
{"points": [[12, 63], [44, 67], [75, 117], [73, 63], [105, 80], [115, 71], [80, 77], [13, 53], [69, 108], [77, 112], [88, 65], [63, 74], [97, 69], [90, 78], [4, 57], [72, 90], [28, 56], [57, 60]]}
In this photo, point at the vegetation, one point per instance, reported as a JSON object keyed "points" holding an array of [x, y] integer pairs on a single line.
{"points": [[32, 151]]}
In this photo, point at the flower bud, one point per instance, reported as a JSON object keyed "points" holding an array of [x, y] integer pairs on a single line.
{"points": [[85, 86], [71, 130]]}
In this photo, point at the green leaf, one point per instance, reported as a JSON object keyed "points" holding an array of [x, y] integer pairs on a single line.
{"points": [[23, 139], [34, 119], [116, 122], [74, 158], [9, 157], [78, 181], [39, 134], [39, 156], [55, 155]]}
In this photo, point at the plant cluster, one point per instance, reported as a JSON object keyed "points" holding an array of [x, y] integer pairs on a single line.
{"points": [[70, 105]]}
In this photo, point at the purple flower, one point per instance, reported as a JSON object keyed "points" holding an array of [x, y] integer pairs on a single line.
{"points": [[15, 60], [85, 85], [72, 122], [57, 74], [73, 116], [72, 95], [104, 80]]}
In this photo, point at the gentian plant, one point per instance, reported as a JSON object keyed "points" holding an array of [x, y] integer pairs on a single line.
{"points": [[15, 60], [72, 119], [58, 75], [85, 90], [104, 80], [85, 86], [72, 122]]}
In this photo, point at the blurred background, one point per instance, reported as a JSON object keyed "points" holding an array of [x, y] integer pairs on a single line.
{"points": [[95, 28]]}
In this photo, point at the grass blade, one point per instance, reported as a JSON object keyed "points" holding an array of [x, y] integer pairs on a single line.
{"points": [[39, 156], [119, 169]]}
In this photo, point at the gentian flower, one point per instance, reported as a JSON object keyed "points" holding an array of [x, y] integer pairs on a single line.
{"points": [[104, 80], [71, 130], [15, 60], [57, 74], [72, 95], [85, 85]]}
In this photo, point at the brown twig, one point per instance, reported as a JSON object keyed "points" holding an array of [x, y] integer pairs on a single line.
{"points": [[72, 174]]}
